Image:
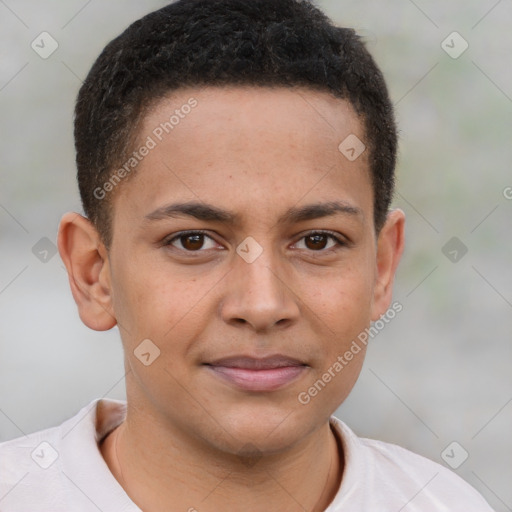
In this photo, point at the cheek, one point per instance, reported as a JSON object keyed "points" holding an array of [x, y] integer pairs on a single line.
{"points": [[344, 302], [344, 372], [154, 304], [141, 301]]}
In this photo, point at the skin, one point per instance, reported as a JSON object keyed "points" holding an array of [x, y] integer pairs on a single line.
{"points": [[190, 438]]}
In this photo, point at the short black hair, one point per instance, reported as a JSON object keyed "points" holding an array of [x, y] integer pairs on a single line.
{"points": [[267, 43]]}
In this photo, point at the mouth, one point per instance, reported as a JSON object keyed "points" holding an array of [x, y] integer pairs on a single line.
{"points": [[255, 374]]}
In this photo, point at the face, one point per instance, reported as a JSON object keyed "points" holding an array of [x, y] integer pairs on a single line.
{"points": [[244, 250]]}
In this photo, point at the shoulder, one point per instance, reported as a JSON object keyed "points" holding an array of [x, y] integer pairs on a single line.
{"points": [[394, 475], [29, 462], [61, 467]]}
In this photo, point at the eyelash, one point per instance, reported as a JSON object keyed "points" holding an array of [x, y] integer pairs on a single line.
{"points": [[338, 241]]}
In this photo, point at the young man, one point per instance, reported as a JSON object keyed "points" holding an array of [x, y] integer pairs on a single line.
{"points": [[235, 162]]}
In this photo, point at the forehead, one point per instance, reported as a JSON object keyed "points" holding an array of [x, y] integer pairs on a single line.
{"points": [[235, 145], [262, 110]]}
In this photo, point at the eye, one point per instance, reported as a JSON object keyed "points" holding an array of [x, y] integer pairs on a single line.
{"points": [[191, 241], [197, 241], [318, 241]]}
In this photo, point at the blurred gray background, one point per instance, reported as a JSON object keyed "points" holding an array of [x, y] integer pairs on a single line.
{"points": [[439, 372]]}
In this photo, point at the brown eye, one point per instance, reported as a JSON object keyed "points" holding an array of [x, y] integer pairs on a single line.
{"points": [[316, 242], [194, 241], [319, 242]]}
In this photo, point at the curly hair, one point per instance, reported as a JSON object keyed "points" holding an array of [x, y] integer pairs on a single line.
{"points": [[267, 43]]}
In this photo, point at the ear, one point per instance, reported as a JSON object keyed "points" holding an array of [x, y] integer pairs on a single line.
{"points": [[390, 246], [86, 260]]}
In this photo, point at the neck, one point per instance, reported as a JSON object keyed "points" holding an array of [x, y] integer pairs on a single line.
{"points": [[157, 467]]}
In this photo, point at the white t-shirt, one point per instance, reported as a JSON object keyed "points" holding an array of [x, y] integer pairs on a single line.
{"points": [[61, 470]]}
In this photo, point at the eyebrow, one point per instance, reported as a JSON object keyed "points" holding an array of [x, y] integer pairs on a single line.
{"points": [[207, 212]]}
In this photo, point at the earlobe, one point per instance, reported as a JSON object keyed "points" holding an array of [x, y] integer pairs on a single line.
{"points": [[390, 246], [85, 257]]}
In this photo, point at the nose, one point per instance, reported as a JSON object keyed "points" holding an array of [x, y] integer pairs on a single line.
{"points": [[259, 296]]}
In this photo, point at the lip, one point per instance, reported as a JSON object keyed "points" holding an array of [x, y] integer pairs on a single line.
{"points": [[258, 374]]}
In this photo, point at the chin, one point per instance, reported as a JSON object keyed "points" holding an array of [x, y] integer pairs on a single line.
{"points": [[265, 429]]}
